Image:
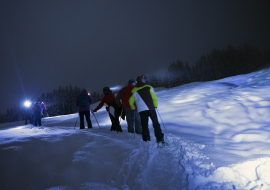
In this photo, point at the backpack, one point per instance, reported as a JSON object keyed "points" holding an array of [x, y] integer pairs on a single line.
{"points": [[84, 101]]}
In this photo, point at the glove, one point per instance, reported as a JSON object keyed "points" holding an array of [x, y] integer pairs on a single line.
{"points": [[119, 105]]}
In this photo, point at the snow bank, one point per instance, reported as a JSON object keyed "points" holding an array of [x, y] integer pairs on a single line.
{"points": [[253, 174], [218, 134]]}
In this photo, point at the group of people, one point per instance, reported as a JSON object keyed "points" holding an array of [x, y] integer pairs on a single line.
{"points": [[136, 102], [36, 112]]}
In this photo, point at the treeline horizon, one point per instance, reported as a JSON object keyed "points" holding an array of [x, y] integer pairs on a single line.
{"points": [[217, 64]]}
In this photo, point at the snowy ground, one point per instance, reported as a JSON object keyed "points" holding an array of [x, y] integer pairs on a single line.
{"points": [[218, 134]]}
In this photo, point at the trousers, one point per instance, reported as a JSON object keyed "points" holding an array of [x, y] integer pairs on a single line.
{"points": [[87, 117], [145, 130]]}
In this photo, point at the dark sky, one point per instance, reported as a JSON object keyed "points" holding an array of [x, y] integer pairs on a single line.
{"points": [[45, 44]]}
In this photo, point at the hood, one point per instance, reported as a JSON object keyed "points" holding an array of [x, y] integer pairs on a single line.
{"points": [[84, 92]]}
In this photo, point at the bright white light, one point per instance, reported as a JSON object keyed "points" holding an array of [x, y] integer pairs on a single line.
{"points": [[27, 104], [116, 88]]}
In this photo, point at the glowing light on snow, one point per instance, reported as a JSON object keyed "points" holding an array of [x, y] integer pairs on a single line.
{"points": [[116, 88], [21, 127], [254, 98], [185, 100], [27, 103]]}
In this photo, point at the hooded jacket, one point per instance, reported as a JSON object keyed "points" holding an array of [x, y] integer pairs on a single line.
{"points": [[108, 98], [144, 96], [124, 94], [36, 108], [77, 102]]}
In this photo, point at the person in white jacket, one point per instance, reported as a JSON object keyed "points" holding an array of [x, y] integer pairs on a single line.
{"points": [[146, 101]]}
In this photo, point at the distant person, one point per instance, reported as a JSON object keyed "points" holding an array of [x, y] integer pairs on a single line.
{"points": [[83, 102], [29, 115], [36, 110], [44, 110], [112, 108], [124, 95], [146, 102]]}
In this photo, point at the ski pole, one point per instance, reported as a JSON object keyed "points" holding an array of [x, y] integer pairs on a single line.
{"points": [[95, 118], [134, 123], [161, 120], [117, 126]]}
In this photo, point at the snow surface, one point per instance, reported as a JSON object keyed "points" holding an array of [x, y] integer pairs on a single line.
{"points": [[218, 134]]}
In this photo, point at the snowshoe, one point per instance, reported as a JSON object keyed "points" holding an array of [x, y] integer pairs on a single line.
{"points": [[162, 144]]}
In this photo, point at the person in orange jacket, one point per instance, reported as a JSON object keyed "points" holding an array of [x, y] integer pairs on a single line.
{"points": [[113, 110]]}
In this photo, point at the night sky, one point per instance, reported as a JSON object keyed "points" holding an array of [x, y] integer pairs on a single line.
{"points": [[45, 44]]}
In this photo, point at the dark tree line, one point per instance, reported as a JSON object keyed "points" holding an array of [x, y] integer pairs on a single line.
{"points": [[216, 65], [60, 101], [15, 113]]}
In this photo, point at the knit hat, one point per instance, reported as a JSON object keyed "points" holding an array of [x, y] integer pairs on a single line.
{"points": [[131, 81], [106, 90], [139, 78]]}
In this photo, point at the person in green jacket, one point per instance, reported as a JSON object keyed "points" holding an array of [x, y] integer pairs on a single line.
{"points": [[146, 101]]}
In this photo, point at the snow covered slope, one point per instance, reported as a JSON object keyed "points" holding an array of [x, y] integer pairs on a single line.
{"points": [[218, 134]]}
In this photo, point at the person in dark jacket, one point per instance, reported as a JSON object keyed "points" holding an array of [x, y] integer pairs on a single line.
{"points": [[131, 115], [36, 110], [112, 108], [83, 102], [146, 102]]}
